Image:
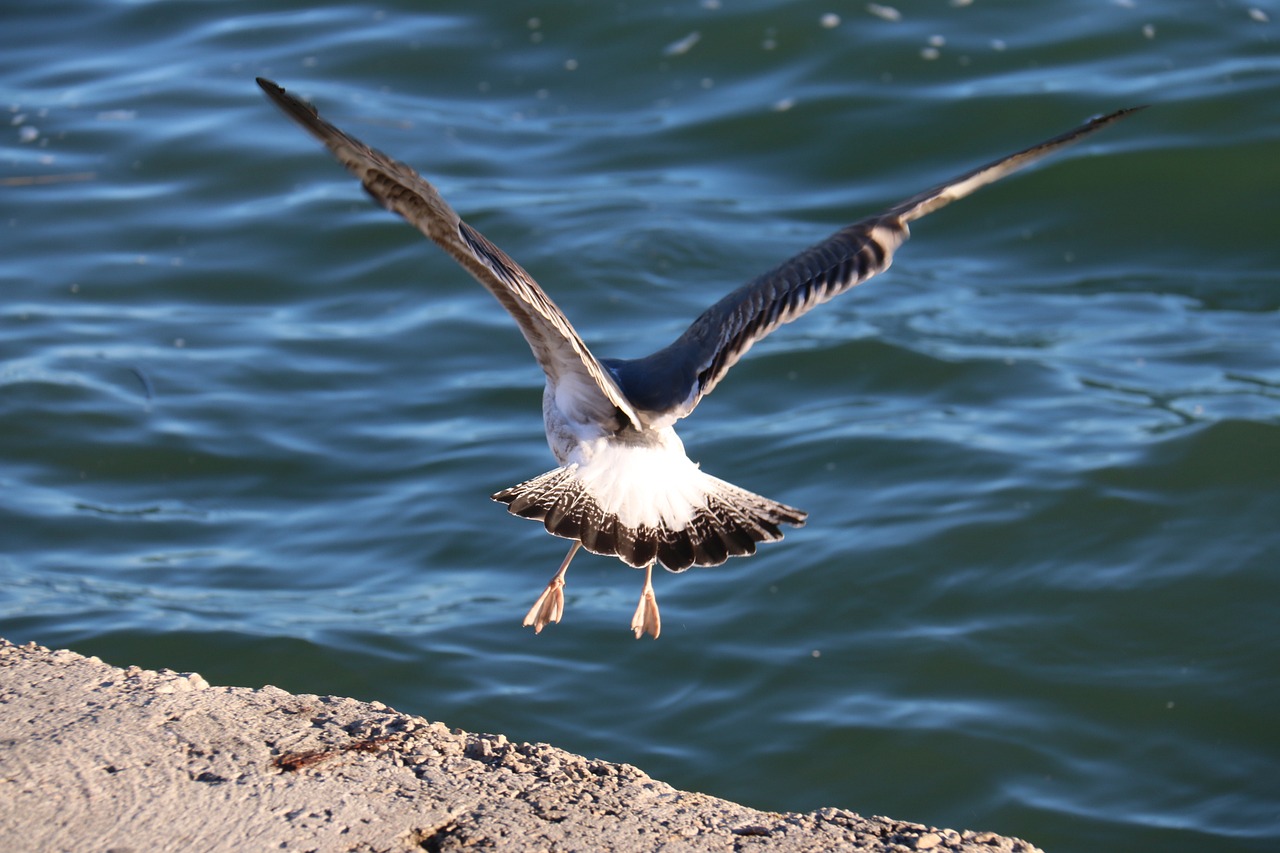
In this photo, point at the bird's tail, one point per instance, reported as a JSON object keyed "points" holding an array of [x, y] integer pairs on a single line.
{"points": [[726, 522]]}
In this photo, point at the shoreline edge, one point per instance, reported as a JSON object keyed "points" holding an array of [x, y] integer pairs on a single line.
{"points": [[94, 756]]}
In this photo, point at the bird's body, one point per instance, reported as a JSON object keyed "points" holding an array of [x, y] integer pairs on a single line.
{"points": [[625, 486]]}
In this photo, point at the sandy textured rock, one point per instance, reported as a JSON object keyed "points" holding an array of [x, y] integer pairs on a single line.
{"points": [[93, 757]]}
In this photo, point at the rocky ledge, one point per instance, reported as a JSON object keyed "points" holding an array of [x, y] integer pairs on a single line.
{"points": [[93, 757]]}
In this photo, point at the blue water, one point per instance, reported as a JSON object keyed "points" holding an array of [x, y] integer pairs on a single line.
{"points": [[249, 422]]}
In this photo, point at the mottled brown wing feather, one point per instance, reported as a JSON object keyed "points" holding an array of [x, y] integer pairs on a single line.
{"points": [[556, 345]]}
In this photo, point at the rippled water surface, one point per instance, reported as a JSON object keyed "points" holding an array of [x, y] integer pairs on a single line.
{"points": [[249, 422]]}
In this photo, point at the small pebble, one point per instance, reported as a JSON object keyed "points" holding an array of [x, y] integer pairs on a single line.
{"points": [[928, 841]]}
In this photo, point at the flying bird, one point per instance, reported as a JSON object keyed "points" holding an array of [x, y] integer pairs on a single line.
{"points": [[625, 486]]}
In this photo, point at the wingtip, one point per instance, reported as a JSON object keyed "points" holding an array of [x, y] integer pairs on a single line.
{"points": [[291, 104], [1115, 115]]}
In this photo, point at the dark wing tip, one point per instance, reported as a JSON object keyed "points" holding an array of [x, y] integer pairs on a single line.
{"points": [[1093, 123], [275, 91], [296, 108], [1121, 113], [1103, 119]]}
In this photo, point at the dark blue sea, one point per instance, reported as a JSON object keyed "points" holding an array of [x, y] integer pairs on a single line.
{"points": [[250, 422]]}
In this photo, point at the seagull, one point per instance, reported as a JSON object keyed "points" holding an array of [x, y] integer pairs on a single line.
{"points": [[625, 486]]}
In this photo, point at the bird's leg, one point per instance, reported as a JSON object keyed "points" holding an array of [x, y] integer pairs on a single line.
{"points": [[550, 605], [647, 620]]}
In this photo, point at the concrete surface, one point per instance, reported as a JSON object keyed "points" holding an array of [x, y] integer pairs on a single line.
{"points": [[93, 757]]}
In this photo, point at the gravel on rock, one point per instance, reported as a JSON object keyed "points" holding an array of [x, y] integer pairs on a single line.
{"points": [[94, 757]]}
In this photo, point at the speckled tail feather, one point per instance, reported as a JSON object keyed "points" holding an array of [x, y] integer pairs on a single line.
{"points": [[728, 524]]}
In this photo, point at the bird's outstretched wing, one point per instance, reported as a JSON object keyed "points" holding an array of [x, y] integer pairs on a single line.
{"points": [[558, 348], [674, 379]]}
